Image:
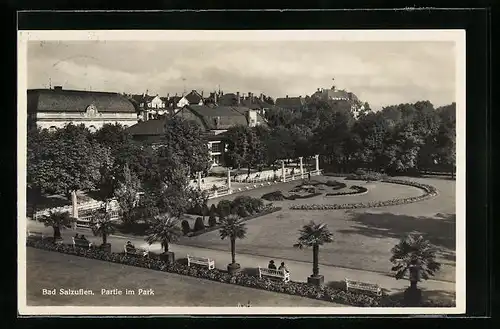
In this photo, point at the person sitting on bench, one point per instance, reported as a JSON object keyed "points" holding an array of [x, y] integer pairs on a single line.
{"points": [[271, 265], [77, 236], [129, 246], [283, 267]]}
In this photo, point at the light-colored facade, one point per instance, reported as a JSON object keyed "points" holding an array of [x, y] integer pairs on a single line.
{"points": [[56, 108]]}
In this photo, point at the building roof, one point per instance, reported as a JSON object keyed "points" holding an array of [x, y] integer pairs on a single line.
{"points": [[332, 94], [153, 127], [290, 102], [194, 97], [53, 100]]}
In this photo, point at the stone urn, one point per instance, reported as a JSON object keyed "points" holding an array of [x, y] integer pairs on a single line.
{"points": [[234, 268], [316, 280], [105, 247], [168, 257]]}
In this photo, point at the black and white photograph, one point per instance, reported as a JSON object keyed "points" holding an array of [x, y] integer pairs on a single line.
{"points": [[241, 172]]}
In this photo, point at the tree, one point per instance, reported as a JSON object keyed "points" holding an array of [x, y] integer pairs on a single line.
{"points": [[164, 229], [233, 228], [224, 208], [185, 227], [102, 224], [58, 221], [184, 138], [314, 235], [66, 160], [199, 224], [414, 254], [127, 194], [244, 148]]}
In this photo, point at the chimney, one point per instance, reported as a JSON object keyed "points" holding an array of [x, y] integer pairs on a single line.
{"points": [[58, 88], [262, 97], [286, 96], [168, 97], [215, 98], [238, 97], [202, 94]]}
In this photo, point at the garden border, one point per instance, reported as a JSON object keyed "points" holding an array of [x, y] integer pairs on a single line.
{"points": [[291, 288], [430, 192]]}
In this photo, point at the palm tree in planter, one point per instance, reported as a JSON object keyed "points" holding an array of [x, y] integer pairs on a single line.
{"points": [[164, 229], [232, 227], [58, 221], [102, 225], [415, 255], [314, 235]]}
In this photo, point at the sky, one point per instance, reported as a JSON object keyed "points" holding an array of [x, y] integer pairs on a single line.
{"points": [[380, 73]]}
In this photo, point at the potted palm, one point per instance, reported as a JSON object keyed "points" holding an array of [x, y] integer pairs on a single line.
{"points": [[102, 225], [233, 227], [314, 235], [58, 221], [164, 229], [415, 256]]}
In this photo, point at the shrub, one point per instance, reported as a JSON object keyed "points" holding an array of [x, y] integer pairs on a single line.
{"points": [[185, 227], [213, 210], [212, 221], [245, 205], [366, 176], [335, 295], [198, 224], [204, 210], [224, 208], [274, 196], [335, 185]]}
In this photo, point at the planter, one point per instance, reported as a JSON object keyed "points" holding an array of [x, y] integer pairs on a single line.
{"points": [[168, 257], [234, 268], [316, 280], [412, 297], [105, 247]]}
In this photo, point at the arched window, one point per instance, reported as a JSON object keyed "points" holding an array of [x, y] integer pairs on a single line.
{"points": [[52, 129], [92, 129]]}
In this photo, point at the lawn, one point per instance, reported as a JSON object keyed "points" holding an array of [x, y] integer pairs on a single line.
{"points": [[49, 270], [362, 238]]}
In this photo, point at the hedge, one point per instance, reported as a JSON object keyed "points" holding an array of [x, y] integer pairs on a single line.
{"points": [[430, 191], [292, 288]]}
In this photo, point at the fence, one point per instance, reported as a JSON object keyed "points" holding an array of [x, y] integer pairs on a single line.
{"points": [[85, 211], [262, 183]]}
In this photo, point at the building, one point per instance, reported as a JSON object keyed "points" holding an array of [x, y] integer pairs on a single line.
{"points": [[214, 121], [291, 103], [57, 107], [193, 98], [333, 94]]}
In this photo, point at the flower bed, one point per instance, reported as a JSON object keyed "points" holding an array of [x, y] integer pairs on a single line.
{"points": [[268, 210], [429, 192], [274, 196], [355, 190], [366, 176], [298, 196], [291, 288]]}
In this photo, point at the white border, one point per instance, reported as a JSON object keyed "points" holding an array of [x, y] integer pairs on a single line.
{"points": [[457, 36]]}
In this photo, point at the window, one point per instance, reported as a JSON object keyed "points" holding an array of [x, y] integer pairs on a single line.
{"points": [[216, 147], [52, 129], [92, 129]]}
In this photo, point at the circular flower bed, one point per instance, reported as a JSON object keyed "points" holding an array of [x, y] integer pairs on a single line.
{"points": [[429, 192], [292, 288]]}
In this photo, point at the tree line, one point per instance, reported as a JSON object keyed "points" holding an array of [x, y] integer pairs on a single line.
{"points": [[404, 138]]}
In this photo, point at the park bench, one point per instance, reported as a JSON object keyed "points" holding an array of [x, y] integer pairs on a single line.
{"points": [[136, 251], [36, 235], [81, 243], [280, 274], [210, 263], [357, 285]]}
